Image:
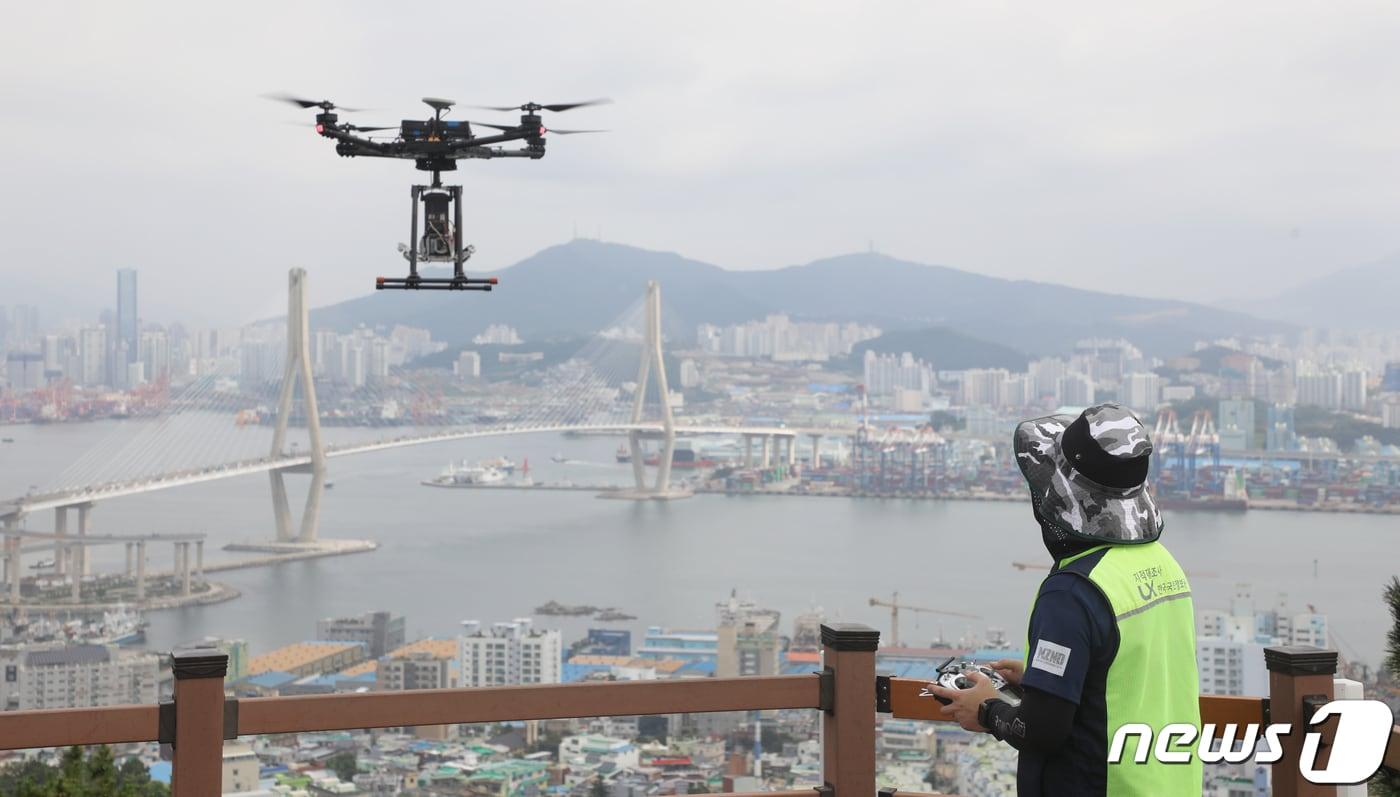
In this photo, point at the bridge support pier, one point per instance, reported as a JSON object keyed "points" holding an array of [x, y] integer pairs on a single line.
{"points": [[748, 451], [199, 560], [792, 451], [141, 571], [183, 567], [298, 369], [652, 361], [60, 546], [14, 570], [764, 458], [816, 451], [80, 565]]}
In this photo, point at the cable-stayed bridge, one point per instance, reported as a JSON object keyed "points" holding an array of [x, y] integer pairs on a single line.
{"points": [[212, 429]]}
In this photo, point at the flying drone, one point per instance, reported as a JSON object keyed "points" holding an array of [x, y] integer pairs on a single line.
{"points": [[435, 145]]}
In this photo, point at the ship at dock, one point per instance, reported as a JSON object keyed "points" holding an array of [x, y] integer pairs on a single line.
{"points": [[464, 474]]}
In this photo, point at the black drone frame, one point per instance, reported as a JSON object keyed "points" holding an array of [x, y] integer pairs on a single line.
{"points": [[435, 145]]}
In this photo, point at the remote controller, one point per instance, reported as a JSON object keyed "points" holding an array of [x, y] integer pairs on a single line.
{"points": [[953, 674]]}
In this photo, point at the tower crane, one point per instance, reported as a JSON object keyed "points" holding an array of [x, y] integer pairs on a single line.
{"points": [[894, 606]]}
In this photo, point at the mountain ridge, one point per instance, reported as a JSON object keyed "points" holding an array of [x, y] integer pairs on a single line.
{"points": [[582, 285]]}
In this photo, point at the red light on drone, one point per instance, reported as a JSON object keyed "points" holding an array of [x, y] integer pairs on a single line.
{"points": [[543, 130], [320, 128], [493, 281]]}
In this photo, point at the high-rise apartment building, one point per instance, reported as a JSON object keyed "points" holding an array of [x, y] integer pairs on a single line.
{"points": [[1142, 392], [1236, 424], [1230, 644], [126, 342], [77, 676], [380, 632], [748, 641], [92, 355], [509, 653], [1354, 390], [468, 365], [1319, 389]]}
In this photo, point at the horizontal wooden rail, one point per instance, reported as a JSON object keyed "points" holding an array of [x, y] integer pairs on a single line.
{"points": [[506, 703], [62, 727], [906, 702]]}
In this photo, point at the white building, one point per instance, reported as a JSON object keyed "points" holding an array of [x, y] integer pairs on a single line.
{"points": [[92, 352], [468, 365], [1319, 389], [498, 335], [1074, 390], [886, 373], [1230, 645], [77, 676], [1354, 390], [983, 387], [1142, 391], [509, 653]]}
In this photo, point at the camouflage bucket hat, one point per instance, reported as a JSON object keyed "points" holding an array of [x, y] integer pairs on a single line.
{"points": [[1088, 475]]}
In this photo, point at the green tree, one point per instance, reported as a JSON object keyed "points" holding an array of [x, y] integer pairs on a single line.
{"points": [[79, 774], [1386, 783], [344, 765]]}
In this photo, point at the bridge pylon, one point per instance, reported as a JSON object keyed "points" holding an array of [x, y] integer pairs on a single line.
{"points": [[298, 369], [652, 366]]}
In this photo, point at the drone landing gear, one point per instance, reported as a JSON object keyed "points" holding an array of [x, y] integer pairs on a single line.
{"points": [[441, 242]]}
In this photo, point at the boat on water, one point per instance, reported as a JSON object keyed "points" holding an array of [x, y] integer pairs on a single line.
{"points": [[119, 626], [613, 615], [465, 475], [624, 454], [503, 464], [7, 439], [557, 609]]}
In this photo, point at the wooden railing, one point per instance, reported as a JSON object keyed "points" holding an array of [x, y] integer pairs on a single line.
{"points": [[199, 718]]}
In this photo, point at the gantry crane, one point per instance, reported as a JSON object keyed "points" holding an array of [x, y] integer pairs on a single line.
{"points": [[894, 607]]}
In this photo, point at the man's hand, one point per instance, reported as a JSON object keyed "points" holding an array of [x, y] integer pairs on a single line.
{"points": [[964, 702], [1010, 669]]}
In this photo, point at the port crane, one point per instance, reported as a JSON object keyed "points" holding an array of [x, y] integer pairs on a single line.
{"points": [[894, 606]]}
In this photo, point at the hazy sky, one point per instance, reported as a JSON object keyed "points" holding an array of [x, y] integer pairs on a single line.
{"points": [[1197, 150]]}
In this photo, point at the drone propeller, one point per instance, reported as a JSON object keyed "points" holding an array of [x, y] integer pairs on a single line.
{"points": [[530, 107], [571, 132], [354, 128], [492, 126], [325, 105]]}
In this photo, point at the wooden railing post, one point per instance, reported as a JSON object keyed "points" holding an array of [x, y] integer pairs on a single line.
{"points": [[848, 725], [1297, 673], [199, 722]]}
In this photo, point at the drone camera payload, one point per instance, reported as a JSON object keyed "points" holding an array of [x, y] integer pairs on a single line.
{"points": [[435, 145]]}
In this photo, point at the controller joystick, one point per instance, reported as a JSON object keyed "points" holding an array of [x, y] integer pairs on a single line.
{"points": [[955, 674]]}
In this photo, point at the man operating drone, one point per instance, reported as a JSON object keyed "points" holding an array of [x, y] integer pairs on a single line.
{"points": [[435, 145]]}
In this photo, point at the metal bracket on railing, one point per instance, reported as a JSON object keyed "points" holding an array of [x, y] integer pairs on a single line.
{"points": [[825, 790], [887, 792], [826, 690], [230, 718], [165, 733], [1268, 718], [166, 728], [1311, 703], [882, 695]]}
